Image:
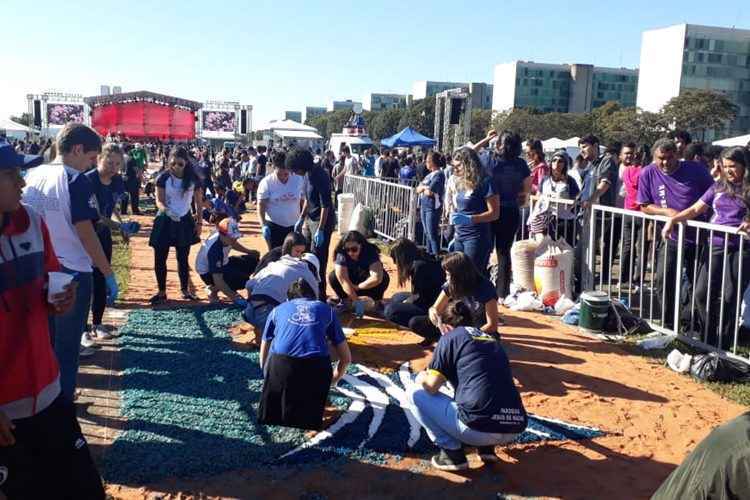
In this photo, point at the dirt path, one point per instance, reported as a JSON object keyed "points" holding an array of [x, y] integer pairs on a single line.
{"points": [[653, 418]]}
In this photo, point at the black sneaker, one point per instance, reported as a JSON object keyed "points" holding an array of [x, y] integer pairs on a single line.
{"points": [[450, 460], [487, 454]]}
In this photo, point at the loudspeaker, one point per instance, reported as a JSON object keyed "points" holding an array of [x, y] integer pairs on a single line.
{"points": [[457, 107], [37, 113], [243, 121]]}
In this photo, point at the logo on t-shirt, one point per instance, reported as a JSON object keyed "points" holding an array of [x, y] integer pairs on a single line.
{"points": [[93, 203], [302, 316], [3, 474]]}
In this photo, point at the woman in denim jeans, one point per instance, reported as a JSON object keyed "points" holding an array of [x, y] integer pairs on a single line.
{"points": [[431, 191], [475, 205]]}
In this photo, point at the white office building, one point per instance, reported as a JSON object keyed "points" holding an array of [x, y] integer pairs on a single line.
{"points": [[426, 88], [689, 56]]}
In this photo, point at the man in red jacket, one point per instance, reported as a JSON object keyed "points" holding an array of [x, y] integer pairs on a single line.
{"points": [[43, 453]]}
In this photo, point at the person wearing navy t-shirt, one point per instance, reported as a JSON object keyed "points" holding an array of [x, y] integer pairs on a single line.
{"points": [[109, 188], [666, 187], [358, 271], [474, 206], [431, 191], [511, 181], [463, 283], [317, 217], [486, 409], [728, 200], [295, 359]]}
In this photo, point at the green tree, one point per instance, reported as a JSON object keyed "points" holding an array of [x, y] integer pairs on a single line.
{"points": [[420, 116], [481, 122], [632, 124], [384, 123], [699, 111], [24, 119]]}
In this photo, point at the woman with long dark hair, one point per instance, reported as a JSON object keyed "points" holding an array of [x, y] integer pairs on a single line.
{"points": [[177, 188], [358, 272], [729, 199], [511, 180], [475, 206], [431, 191], [423, 272], [535, 157], [560, 186], [463, 282]]}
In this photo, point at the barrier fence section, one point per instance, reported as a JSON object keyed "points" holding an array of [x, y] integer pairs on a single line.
{"points": [[690, 283], [394, 205]]}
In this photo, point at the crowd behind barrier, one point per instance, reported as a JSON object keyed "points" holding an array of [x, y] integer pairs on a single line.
{"points": [[619, 257]]}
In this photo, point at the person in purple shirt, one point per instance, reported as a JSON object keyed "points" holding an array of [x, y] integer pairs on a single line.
{"points": [[666, 187], [729, 199]]}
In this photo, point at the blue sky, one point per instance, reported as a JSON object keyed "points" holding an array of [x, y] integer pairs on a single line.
{"points": [[279, 55]]}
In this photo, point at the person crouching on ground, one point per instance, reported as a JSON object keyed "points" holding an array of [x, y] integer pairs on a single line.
{"points": [[463, 282], [296, 362], [357, 272], [268, 287], [219, 271], [486, 410], [43, 453]]}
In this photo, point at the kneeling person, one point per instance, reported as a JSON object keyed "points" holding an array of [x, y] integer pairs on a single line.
{"points": [[295, 359], [219, 271], [486, 410]]}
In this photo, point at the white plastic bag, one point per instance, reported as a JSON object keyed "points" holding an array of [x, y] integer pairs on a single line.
{"points": [[563, 305], [679, 362], [527, 301]]}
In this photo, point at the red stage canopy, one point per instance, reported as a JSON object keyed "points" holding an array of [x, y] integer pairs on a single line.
{"points": [[144, 119]]}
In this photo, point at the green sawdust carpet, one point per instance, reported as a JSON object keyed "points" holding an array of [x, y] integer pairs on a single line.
{"points": [[190, 398]]}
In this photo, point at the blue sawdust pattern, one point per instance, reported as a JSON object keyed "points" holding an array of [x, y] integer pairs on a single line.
{"points": [[190, 399]]}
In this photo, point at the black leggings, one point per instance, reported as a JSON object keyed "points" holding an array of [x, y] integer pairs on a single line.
{"points": [[504, 231], [160, 267], [376, 292], [99, 296]]}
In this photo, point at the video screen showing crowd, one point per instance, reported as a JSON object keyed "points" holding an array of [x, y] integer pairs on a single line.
{"points": [[61, 201]]}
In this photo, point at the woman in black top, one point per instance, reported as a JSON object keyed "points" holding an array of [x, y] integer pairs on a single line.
{"points": [[358, 271], [426, 277]]}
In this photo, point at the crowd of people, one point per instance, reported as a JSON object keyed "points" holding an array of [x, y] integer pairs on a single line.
{"points": [[58, 217]]}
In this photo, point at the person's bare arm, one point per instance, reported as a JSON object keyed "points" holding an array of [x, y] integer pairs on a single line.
{"points": [[93, 247], [490, 135], [651, 209], [198, 199], [689, 213], [262, 206], [241, 248], [492, 212], [342, 274], [431, 380], [490, 312], [222, 286], [437, 309], [345, 358], [324, 211], [523, 196], [265, 347], [161, 199], [375, 277]]}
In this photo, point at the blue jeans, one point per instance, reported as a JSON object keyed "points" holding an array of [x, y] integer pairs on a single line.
{"points": [[257, 313], [431, 226], [476, 249], [438, 414], [66, 331]]}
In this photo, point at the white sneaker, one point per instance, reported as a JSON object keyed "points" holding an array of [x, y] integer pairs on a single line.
{"points": [[99, 332], [86, 352], [87, 341]]}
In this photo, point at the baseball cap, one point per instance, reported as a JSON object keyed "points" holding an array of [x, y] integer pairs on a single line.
{"points": [[312, 259], [10, 159], [230, 227]]}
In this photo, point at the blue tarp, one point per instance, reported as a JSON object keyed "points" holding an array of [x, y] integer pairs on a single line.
{"points": [[407, 137]]}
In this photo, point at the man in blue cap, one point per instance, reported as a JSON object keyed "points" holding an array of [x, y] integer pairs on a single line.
{"points": [[43, 453]]}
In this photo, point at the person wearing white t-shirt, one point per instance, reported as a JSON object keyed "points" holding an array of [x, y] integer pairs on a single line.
{"points": [[174, 226], [279, 202], [66, 200]]}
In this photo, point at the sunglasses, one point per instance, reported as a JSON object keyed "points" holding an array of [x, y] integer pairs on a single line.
{"points": [[352, 249]]}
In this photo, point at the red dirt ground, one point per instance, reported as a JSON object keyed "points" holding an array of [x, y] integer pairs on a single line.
{"points": [[653, 417]]}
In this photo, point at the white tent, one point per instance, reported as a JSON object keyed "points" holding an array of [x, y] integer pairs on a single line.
{"points": [[275, 125], [742, 140], [14, 130]]}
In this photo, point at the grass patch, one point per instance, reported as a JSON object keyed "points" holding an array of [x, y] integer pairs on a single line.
{"points": [[736, 392], [121, 262]]}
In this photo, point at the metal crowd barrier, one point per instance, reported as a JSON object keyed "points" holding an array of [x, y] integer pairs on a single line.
{"points": [[394, 205], [686, 287]]}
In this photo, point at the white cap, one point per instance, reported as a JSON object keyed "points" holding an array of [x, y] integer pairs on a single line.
{"points": [[312, 259]]}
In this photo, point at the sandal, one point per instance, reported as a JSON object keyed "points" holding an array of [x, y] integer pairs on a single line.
{"points": [[188, 295], [158, 299]]}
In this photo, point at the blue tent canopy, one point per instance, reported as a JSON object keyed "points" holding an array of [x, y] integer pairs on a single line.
{"points": [[407, 137]]}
